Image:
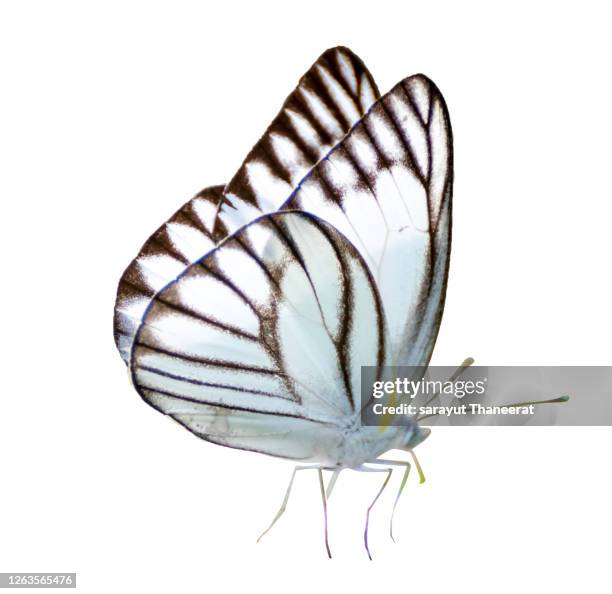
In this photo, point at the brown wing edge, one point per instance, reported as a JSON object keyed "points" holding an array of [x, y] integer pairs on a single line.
{"points": [[133, 286], [311, 81]]}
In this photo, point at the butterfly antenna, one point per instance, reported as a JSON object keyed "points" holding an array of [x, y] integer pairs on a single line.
{"points": [[559, 400], [468, 362]]}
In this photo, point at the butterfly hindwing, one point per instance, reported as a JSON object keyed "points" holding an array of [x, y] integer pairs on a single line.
{"points": [[269, 329]]}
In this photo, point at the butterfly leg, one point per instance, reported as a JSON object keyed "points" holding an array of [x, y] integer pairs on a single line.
{"points": [[324, 499], [283, 506], [389, 471], [332, 483], [401, 487]]}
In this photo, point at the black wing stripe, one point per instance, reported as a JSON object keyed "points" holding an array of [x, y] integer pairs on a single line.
{"points": [[143, 345], [211, 269], [402, 137], [197, 382], [311, 130], [243, 242], [193, 380], [221, 405]]}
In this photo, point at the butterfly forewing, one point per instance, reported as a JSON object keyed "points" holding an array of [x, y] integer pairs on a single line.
{"points": [[184, 238], [387, 187], [330, 98]]}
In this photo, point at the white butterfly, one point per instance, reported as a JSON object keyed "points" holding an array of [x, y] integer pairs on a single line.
{"points": [[247, 316]]}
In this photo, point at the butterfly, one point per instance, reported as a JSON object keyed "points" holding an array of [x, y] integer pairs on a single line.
{"points": [[246, 317]]}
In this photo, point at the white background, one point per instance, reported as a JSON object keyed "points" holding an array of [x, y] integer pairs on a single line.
{"points": [[115, 113]]}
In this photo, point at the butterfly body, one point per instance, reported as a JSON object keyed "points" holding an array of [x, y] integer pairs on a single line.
{"points": [[360, 444]]}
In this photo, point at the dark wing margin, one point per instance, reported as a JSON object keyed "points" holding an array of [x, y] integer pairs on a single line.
{"points": [[329, 99], [181, 240], [269, 330]]}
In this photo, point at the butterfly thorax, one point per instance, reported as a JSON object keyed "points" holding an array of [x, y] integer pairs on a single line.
{"points": [[359, 444]]}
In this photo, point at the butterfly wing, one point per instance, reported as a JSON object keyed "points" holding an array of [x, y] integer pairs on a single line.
{"points": [[178, 242], [329, 99], [387, 186], [259, 345]]}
